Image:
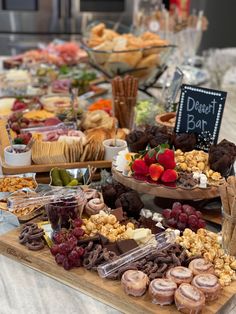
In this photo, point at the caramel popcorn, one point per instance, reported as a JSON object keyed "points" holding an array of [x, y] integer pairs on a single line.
{"points": [[196, 161], [207, 244], [107, 225]]}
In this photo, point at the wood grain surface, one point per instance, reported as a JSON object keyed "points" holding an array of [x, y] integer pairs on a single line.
{"points": [[47, 167], [162, 191], [106, 291]]}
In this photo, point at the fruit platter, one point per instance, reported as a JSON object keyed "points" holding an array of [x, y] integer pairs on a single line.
{"points": [[108, 245]]}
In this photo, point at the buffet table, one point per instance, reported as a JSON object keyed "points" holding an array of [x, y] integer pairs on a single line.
{"points": [[25, 290]]}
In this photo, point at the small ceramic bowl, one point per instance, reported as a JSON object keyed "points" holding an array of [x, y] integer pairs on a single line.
{"points": [[110, 150], [17, 159]]}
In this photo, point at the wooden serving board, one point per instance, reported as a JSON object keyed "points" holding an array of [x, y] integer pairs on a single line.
{"points": [[47, 167], [90, 283], [162, 191]]}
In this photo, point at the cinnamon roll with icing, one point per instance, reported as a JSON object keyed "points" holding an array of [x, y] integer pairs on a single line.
{"points": [[134, 282], [189, 299], [208, 284], [180, 274], [201, 266], [90, 194], [162, 291], [94, 206]]}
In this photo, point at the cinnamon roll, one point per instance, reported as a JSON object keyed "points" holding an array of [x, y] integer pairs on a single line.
{"points": [[94, 206], [201, 266], [90, 194], [180, 274], [162, 291], [208, 284], [189, 299], [134, 282]]}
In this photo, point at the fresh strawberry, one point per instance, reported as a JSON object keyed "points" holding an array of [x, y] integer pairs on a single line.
{"points": [[169, 175], [167, 159], [139, 167], [155, 171], [151, 157], [18, 105]]}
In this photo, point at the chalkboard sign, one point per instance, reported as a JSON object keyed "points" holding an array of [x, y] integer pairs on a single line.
{"points": [[200, 111]]}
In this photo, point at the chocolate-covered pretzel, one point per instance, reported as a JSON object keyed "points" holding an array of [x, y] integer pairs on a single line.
{"points": [[31, 235]]}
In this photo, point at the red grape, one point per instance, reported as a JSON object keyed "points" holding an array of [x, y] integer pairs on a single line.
{"points": [[73, 256], [63, 248], [58, 238], [172, 222], [54, 249], [183, 218], [189, 210], [201, 223], [166, 213], [78, 222], [78, 232], [175, 213], [59, 258], [78, 263], [177, 205], [72, 242], [193, 220], [66, 264]]}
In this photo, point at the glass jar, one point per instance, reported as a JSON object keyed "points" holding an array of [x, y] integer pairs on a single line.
{"points": [[65, 207], [229, 234]]}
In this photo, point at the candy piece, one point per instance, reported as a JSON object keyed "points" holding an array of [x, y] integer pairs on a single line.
{"points": [[134, 282]]}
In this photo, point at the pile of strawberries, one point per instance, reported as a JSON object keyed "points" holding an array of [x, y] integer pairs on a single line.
{"points": [[156, 165]]}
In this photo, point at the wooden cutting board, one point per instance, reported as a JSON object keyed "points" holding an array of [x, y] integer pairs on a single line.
{"points": [[90, 283]]}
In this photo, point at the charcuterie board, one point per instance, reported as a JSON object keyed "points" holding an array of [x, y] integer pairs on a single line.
{"points": [[90, 283], [164, 191]]}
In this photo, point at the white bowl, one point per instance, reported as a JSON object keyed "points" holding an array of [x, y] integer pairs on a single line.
{"points": [[17, 159], [112, 151]]}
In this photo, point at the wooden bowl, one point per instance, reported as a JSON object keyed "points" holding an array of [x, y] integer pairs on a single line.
{"points": [[164, 120]]}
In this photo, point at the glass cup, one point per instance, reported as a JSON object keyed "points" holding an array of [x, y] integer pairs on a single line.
{"points": [[65, 208]]}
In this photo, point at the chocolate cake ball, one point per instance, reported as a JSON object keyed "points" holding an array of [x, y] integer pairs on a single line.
{"points": [[222, 157], [131, 203], [184, 141], [157, 135], [137, 141]]}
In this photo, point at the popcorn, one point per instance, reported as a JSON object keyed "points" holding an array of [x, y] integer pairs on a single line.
{"points": [[206, 243], [197, 162]]}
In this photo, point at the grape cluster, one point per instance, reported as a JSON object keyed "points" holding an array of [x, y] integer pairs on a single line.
{"points": [[66, 251], [183, 216]]}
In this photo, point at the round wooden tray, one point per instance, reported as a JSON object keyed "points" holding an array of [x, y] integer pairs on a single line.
{"points": [[163, 120], [166, 192]]}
